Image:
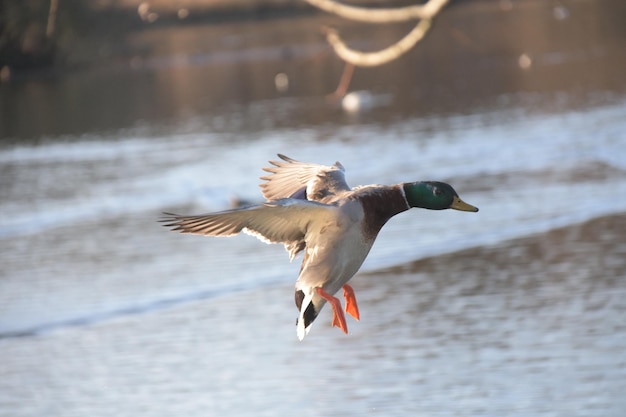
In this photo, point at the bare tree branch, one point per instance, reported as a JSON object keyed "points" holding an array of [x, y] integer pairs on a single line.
{"points": [[344, 82], [52, 17], [422, 11], [372, 59]]}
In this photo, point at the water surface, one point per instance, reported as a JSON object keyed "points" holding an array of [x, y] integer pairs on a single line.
{"points": [[516, 310]]}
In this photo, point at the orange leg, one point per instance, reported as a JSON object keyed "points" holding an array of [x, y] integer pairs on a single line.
{"points": [[339, 320], [351, 306]]}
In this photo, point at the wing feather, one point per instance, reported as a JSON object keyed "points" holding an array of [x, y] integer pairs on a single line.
{"points": [[281, 221], [293, 179]]}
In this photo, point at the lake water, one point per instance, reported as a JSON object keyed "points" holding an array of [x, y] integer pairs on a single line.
{"points": [[516, 310]]}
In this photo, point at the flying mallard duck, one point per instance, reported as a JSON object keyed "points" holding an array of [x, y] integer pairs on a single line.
{"points": [[310, 207]]}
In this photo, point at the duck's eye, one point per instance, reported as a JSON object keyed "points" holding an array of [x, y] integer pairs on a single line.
{"points": [[437, 191]]}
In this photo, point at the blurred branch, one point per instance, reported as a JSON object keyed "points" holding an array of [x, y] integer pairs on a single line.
{"points": [[384, 15], [344, 82], [372, 59], [424, 12], [52, 17]]}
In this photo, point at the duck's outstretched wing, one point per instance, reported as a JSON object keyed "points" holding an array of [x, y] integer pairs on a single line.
{"points": [[281, 221], [293, 179]]}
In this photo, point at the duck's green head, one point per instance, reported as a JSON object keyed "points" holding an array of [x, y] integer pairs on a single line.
{"points": [[434, 195]]}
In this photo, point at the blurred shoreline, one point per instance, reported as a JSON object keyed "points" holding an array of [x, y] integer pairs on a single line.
{"points": [[109, 31], [477, 57]]}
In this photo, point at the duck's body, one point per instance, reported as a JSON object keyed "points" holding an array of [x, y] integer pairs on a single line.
{"points": [[340, 247], [310, 207]]}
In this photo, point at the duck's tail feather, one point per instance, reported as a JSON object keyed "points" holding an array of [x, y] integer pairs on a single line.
{"points": [[308, 312]]}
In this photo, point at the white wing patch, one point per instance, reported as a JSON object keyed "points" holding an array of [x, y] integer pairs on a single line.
{"points": [[258, 235]]}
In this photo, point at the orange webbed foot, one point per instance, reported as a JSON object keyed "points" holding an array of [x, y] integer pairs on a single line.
{"points": [[339, 320], [352, 307]]}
